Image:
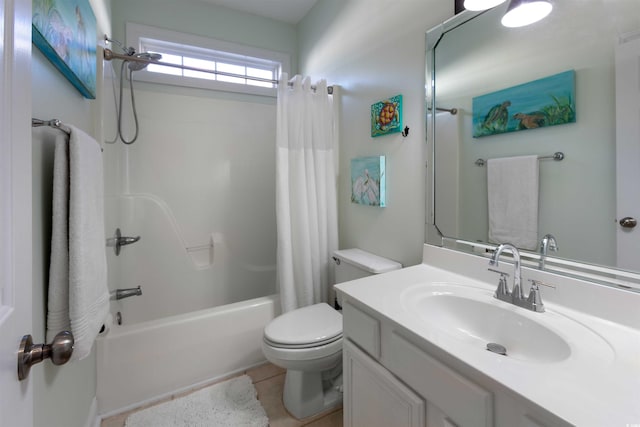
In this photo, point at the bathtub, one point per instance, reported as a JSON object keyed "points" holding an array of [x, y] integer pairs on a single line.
{"points": [[147, 361]]}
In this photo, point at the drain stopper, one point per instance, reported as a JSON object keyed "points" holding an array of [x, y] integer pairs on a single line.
{"points": [[497, 348]]}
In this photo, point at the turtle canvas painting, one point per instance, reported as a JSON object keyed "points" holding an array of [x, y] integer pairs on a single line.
{"points": [[368, 181], [540, 103], [386, 116]]}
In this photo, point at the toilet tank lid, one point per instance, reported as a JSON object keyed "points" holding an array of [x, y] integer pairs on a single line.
{"points": [[367, 261]]}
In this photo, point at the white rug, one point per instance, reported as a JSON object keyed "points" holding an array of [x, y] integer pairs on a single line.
{"points": [[231, 403]]}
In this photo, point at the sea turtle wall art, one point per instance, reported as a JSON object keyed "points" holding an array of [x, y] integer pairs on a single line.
{"points": [[545, 102], [386, 116]]}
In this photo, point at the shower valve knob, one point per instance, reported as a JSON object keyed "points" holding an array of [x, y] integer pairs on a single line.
{"points": [[117, 241]]}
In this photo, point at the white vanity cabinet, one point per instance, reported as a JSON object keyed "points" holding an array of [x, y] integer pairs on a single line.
{"points": [[390, 381]]}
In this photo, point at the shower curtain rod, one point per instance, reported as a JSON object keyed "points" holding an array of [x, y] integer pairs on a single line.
{"points": [[109, 55]]}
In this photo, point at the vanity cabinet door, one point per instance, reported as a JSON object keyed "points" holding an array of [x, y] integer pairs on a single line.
{"points": [[374, 397]]}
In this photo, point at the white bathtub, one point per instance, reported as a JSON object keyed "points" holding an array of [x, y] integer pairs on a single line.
{"points": [[147, 361]]}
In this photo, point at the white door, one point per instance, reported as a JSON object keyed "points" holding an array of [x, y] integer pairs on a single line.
{"points": [[628, 151], [16, 401]]}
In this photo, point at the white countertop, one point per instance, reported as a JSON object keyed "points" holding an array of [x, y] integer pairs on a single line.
{"points": [[595, 386]]}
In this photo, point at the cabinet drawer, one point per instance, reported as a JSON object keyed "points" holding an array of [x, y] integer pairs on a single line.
{"points": [[362, 329], [464, 402]]}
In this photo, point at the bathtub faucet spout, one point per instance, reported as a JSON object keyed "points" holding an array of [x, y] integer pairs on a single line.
{"points": [[125, 293]]}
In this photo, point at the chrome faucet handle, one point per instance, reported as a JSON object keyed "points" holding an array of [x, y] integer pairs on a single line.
{"points": [[502, 292], [541, 283], [534, 300], [493, 270]]}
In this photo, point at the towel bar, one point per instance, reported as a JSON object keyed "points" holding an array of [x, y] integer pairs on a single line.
{"points": [[54, 123], [557, 156]]}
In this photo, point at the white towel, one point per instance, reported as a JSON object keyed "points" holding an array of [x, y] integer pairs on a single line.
{"points": [[513, 201], [78, 293]]}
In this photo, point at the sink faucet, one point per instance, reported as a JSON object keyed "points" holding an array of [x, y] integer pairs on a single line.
{"points": [[548, 243], [516, 291], [533, 301]]}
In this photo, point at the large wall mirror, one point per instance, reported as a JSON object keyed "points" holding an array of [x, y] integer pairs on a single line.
{"points": [[472, 55]]}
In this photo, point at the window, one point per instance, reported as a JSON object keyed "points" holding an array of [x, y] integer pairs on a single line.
{"points": [[234, 68]]}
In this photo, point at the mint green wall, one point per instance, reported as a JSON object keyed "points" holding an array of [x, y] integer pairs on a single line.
{"points": [[375, 49], [206, 20]]}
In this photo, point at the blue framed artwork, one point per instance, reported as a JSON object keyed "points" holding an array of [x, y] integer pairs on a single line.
{"points": [[65, 32], [368, 181], [540, 103], [386, 116]]}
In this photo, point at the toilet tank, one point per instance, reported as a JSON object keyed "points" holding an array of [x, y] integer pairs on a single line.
{"points": [[351, 264]]}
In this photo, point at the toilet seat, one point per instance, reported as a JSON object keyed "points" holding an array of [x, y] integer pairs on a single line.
{"points": [[327, 350], [308, 327], [303, 345]]}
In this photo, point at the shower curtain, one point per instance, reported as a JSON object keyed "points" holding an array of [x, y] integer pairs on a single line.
{"points": [[306, 209]]}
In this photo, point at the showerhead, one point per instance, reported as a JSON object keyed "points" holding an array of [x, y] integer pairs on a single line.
{"points": [[137, 66]]}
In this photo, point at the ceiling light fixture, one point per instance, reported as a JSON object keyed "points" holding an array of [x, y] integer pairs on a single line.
{"points": [[525, 12], [481, 4]]}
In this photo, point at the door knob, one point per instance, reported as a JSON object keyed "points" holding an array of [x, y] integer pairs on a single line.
{"points": [[628, 222], [59, 351]]}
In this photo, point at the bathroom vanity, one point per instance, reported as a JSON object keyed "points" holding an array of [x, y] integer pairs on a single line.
{"points": [[415, 349]]}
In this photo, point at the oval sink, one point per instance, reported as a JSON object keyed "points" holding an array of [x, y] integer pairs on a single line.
{"points": [[474, 317], [481, 323]]}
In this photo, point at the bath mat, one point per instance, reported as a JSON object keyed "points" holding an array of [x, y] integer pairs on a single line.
{"points": [[231, 403]]}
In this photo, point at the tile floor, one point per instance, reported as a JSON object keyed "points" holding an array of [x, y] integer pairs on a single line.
{"points": [[268, 380]]}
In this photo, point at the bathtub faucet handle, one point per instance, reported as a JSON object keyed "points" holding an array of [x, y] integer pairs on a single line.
{"points": [[118, 240]]}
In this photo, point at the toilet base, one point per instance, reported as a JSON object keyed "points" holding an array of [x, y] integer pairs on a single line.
{"points": [[304, 394]]}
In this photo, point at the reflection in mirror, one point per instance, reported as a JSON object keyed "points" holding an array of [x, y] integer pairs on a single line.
{"points": [[472, 55]]}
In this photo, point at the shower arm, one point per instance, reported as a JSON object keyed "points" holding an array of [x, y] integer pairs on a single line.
{"points": [[129, 51]]}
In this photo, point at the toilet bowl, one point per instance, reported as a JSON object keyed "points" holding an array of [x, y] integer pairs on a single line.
{"points": [[307, 342]]}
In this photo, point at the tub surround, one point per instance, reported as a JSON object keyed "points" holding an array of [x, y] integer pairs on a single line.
{"points": [[593, 382]]}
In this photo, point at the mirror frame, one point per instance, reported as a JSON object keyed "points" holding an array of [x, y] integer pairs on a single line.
{"points": [[610, 276]]}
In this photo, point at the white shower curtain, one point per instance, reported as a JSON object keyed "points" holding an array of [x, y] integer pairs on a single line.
{"points": [[305, 192]]}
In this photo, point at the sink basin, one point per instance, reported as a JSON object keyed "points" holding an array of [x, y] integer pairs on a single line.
{"points": [[476, 318]]}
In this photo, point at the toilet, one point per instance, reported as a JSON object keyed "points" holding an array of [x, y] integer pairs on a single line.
{"points": [[307, 342]]}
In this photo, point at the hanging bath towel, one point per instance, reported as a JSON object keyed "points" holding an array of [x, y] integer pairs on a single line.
{"points": [[78, 293], [513, 201]]}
